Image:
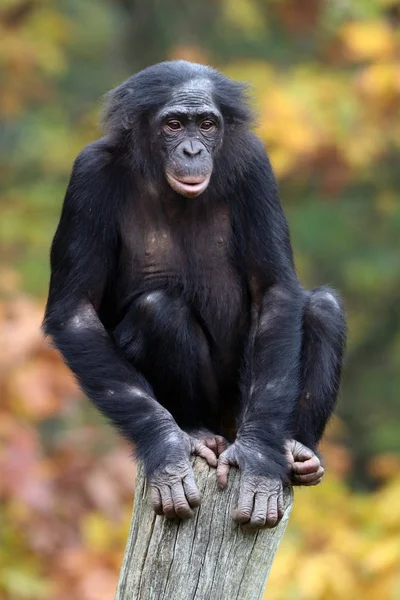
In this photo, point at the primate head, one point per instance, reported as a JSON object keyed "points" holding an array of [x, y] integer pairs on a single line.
{"points": [[190, 128], [174, 118]]}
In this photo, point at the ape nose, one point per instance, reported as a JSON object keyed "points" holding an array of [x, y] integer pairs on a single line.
{"points": [[192, 148]]}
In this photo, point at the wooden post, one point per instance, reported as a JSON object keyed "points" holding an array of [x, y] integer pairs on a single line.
{"points": [[206, 558]]}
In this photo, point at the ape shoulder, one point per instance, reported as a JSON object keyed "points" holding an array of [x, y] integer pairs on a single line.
{"points": [[95, 156], [98, 184]]}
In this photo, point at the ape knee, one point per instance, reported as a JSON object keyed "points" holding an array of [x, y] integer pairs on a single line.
{"points": [[153, 301], [162, 306], [324, 300]]}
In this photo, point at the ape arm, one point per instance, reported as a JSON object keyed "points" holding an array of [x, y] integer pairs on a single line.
{"points": [[82, 257]]}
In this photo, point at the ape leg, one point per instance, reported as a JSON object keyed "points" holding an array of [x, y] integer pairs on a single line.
{"points": [[161, 337], [324, 335]]}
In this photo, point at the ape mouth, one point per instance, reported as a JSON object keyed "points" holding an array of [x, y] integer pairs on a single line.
{"points": [[190, 185]]}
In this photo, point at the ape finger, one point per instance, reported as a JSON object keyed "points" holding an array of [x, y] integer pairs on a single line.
{"points": [[191, 491], [181, 505], [156, 501], [200, 449], [222, 444], [302, 452], [259, 513], [245, 503], [281, 505], [309, 478], [317, 482], [212, 444], [167, 502], [272, 517], [309, 466], [223, 471]]}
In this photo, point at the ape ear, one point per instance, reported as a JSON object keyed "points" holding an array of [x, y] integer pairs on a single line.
{"points": [[116, 118]]}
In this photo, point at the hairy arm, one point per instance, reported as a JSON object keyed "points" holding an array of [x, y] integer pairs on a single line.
{"points": [[83, 255]]}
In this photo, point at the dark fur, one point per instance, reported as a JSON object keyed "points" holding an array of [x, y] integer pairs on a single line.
{"points": [[221, 331]]}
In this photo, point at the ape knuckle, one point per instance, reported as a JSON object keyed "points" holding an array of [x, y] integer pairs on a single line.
{"points": [[251, 485], [275, 487], [272, 511], [257, 521], [191, 484], [242, 515], [194, 497]]}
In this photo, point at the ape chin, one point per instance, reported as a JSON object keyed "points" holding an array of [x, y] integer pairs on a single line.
{"points": [[174, 297]]}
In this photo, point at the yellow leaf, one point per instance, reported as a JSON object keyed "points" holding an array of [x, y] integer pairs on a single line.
{"points": [[96, 532], [384, 555], [381, 80], [368, 40], [244, 14]]}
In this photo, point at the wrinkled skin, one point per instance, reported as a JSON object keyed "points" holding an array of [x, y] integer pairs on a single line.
{"points": [[261, 501], [173, 490], [306, 467]]}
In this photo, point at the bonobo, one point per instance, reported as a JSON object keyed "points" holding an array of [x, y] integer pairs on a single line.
{"points": [[174, 298]]}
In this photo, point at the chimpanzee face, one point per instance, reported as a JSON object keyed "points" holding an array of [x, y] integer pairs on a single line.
{"points": [[191, 129]]}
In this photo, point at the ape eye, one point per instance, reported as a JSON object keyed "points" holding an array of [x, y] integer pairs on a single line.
{"points": [[207, 125], [174, 125]]}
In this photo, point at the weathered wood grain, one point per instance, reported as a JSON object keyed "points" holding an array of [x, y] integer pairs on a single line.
{"points": [[206, 558]]}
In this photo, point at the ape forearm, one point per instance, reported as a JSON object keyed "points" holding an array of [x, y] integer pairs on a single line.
{"points": [[121, 393], [309, 426]]}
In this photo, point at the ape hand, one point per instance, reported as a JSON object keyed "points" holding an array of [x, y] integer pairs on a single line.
{"points": [[260, 497], [306, 467], [173, 490]]}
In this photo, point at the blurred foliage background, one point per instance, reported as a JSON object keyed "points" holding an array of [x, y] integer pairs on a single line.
{"points": [[326, 79]]}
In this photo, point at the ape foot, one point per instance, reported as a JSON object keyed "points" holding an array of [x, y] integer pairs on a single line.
{"points": [[208, 445], [306, 467], [260, 501], [173, 491]]}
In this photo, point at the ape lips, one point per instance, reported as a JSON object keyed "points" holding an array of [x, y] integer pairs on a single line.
{"points": [[188, 186]]}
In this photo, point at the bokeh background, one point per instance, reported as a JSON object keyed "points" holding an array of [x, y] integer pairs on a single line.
{"points": [[326, 80]]}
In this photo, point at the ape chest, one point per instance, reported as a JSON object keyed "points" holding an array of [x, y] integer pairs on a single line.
{"points": [[197, 250]]}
